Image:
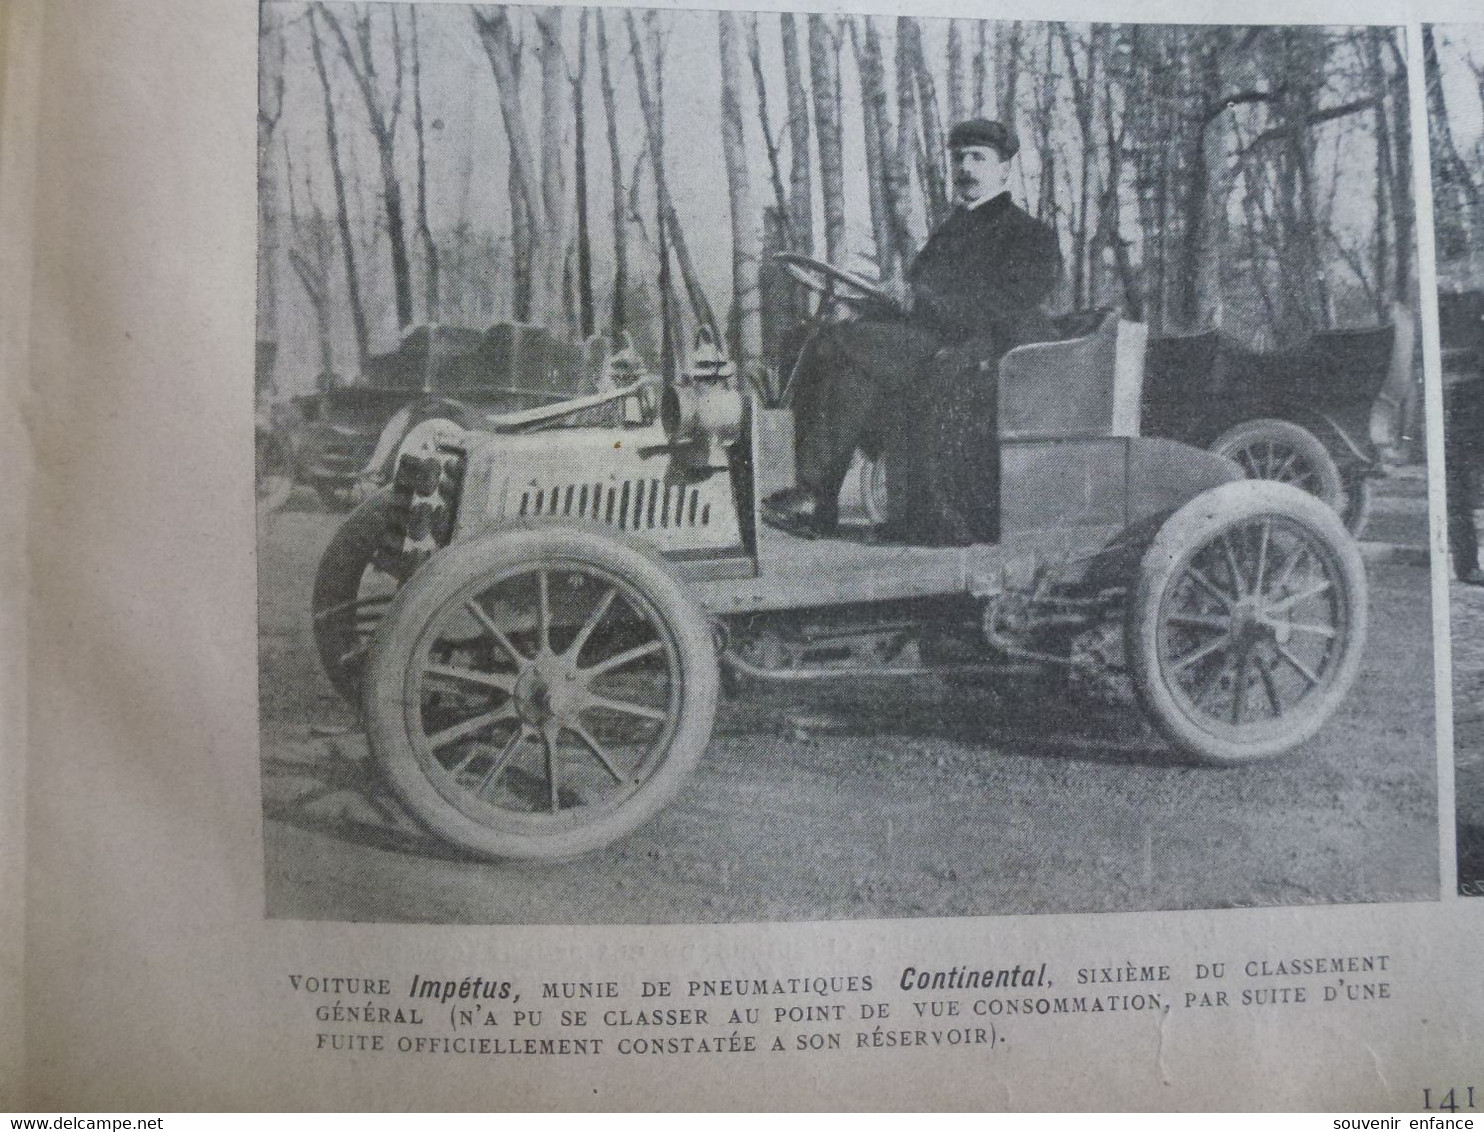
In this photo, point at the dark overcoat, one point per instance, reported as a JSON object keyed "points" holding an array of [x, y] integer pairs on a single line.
{"points": [[896, 385], [986, 270]]}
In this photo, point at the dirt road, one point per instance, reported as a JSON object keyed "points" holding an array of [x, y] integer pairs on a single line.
{"points": [[846, 803]]}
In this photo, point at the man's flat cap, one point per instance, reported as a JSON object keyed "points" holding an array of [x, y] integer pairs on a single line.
{"points": [[981, 131]]}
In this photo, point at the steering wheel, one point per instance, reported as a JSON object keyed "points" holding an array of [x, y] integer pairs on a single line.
{"points": [[826, 280]]}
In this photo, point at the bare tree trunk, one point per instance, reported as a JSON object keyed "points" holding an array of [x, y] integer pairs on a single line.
{"points": [[1376, 80], [770, 143], [1197, 270], [650, 102], [801, 185], [1007, 70], [746, 239], [585, 315], [983, 92], [824, 73], [552, 254], [497, 38], [342, 209], [1083, 78], [424, 231], [1461, 220], [1404, 259], [1116, 139], [955, 71], [873, 110], [935, 154], [899, 170], [617, 319], [1302, 62], [270, 109], [540, 182], [383, 121]]}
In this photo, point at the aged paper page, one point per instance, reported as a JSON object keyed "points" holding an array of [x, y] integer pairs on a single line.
{"points": [[893, 890], [20, 49]]}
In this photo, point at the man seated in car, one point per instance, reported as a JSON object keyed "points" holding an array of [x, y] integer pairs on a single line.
{"points": [[975, 288]]}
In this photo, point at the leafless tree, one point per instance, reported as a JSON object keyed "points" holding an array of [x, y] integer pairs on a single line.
{"points": [[617, 319], [824, 75], [578, 80], [746, 240], [800, 179], [770, 143], [424, 232], [650, 100], [539, 180], [270, 112], [382, 112], [342, 209]]}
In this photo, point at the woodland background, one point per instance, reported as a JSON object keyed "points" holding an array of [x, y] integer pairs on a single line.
{"points": [[604, 170], [1454, 65]]}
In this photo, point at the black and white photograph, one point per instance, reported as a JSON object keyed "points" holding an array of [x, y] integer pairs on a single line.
{"points": [[729, 467], [1454, 57]]}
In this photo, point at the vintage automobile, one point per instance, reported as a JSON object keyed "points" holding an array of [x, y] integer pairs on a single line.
{"points": [[444, 372], [1301, 416], [559, 602]]}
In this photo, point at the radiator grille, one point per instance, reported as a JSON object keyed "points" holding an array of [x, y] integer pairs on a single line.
{"points": [[630, 505]]}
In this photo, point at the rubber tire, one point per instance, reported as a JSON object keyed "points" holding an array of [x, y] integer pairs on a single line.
{"points": [[1300, 440], [337, 580], [444, 577], [1190, 528]]}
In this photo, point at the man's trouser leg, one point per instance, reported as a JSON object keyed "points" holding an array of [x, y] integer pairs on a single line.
{"points": [[855, 379]]}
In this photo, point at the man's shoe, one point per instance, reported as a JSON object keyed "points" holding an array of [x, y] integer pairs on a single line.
{"points": [[796, 511], [1474, 577]]}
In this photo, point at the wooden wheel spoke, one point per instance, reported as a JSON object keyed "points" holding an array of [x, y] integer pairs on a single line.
{"points": [[1271, 460], [1275, 701], [1262, 557], [356, 653], [502, 760], [623, 707], [543, 626], [1239, 583], [488, 625], [1289, 567], [549, 735], [471, 726], [1213, 622], [1288, 602], [619, 660], [1212, 679], [1210, 587], [1298, 666], [574, 650], [1195, 656], [505, 682], [1282, 471], [1239, 689], [1326, 631], [596, 748], [355, 604]]}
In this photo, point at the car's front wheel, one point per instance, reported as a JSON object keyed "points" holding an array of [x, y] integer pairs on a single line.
{"points": [[1247, 622], [541, 691]]}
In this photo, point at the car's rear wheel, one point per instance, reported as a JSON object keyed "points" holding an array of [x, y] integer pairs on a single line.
{"points": [[540, 692], [1247, 622], [1271, 449]]}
